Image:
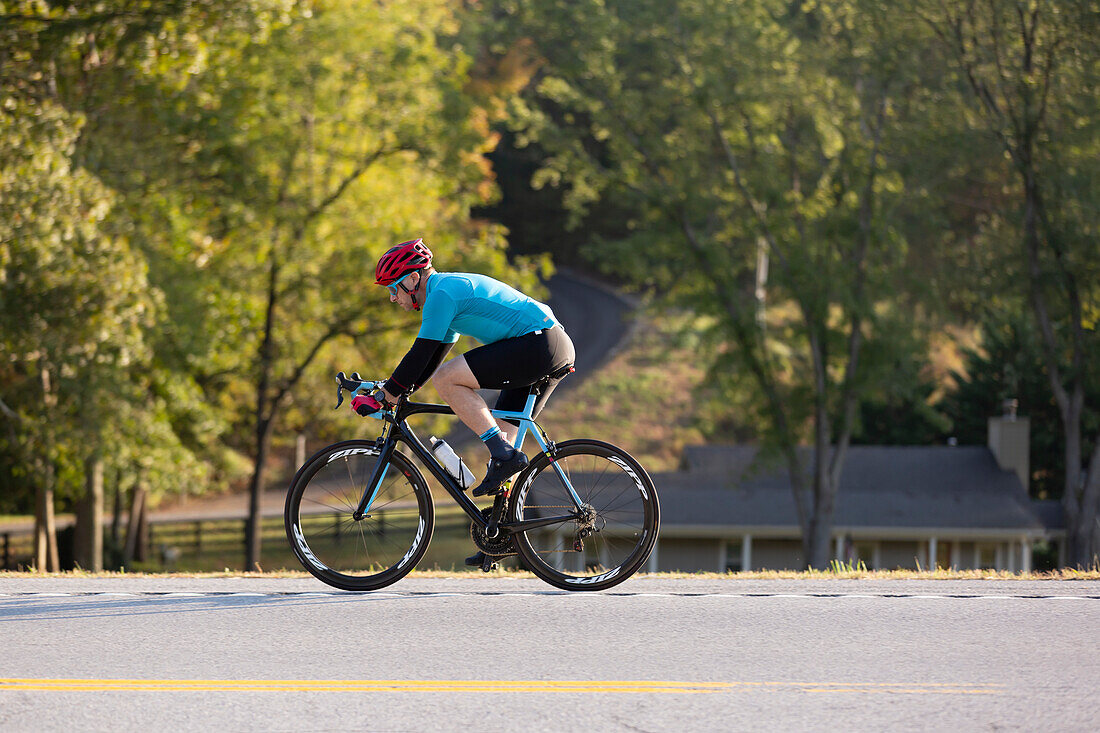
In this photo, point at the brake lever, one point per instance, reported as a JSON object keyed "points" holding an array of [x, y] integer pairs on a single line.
{"points": [[353, 385], [339, 390]]}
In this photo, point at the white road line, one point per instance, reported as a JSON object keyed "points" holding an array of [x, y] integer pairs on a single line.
{"points": [[156, 595]]}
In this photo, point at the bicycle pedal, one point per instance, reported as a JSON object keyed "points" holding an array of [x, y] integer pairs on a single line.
{"points": [[488, 565]]}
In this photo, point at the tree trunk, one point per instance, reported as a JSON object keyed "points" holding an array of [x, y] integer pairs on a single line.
{"points": [[255, 496], [45, 527], [821, 524], [116, 513], [1068, 394], [1087, 534], [265, 414], [88, 539], [134, 549]]}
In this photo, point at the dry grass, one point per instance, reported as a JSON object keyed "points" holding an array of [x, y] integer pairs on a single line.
{"points": [[841, 574]]}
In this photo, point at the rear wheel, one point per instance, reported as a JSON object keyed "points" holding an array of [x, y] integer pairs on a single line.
{"points": [[619, 523], [370, 553]]}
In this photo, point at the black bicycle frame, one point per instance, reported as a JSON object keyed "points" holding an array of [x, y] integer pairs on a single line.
{"points": [[406, 435]]}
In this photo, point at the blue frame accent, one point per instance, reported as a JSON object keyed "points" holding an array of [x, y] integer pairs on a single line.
{"points": [[399, 431], [526, 422], [377, 487]]}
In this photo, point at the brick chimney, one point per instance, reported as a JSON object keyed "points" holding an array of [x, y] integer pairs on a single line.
{"points": [[1010, 441]]}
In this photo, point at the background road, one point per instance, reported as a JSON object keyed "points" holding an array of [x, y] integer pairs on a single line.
{"points": [[510, 654], [595, 317]]}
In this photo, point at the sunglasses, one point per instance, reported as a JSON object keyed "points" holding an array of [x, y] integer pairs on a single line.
{"points": [[393, 286]]}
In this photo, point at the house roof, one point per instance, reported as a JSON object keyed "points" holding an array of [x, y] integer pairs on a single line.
{"points": [[1050, 513], [880, 486]]}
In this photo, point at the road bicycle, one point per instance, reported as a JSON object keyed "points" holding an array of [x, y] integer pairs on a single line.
{"points": [[583, 515]]}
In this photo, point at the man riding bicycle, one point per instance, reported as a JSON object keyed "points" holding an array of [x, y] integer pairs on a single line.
{"points": [[522, 343]]}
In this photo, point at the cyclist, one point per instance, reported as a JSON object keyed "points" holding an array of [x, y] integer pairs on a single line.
{"points": [[522, 343]]}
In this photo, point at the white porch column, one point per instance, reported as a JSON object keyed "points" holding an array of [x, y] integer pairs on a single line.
{"points": [[956, 554], [999, 557], [1025, 555], [931, 553], [839, 553], [746, 553], [651, 563], [1011, 547], [723, 554]]}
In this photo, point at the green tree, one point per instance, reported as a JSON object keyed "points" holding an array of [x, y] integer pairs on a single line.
{"points": [[1028, 69], [296, 147], [73, 303], [76, 280], [754, 140], [1010, 364]]}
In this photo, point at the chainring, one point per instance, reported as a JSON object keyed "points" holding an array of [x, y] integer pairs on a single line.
{"points": [[498, 546]]}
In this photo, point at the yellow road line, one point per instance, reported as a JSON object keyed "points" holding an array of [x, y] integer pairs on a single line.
{"points": [[910, 691], [575, 686], [365, 685]]}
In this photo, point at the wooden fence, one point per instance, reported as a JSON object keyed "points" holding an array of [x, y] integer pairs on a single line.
{"points": [[211, 544]]}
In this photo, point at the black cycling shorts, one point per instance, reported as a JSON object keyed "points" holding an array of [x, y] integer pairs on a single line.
{"points": [[514, 364]]}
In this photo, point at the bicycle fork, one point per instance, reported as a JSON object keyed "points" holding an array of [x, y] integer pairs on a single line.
{"points": [[376, 479]]}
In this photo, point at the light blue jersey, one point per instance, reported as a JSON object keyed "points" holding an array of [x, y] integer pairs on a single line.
{"points": [[479, 306]]}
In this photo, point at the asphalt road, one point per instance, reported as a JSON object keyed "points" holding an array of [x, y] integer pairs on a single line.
{"points": [[513, 654]]}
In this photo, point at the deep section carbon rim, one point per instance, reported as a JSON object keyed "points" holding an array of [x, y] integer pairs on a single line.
{"points": [[620, 518], [369, 553]]}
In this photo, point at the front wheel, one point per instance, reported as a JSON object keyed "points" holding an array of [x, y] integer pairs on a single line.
{"points": [[619, 521], [370, 553]]}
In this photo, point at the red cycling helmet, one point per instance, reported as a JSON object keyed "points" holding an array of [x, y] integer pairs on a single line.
{"points": [[401, 260]]}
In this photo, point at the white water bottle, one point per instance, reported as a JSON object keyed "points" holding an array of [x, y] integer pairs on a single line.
{"points": [[447, 458]]}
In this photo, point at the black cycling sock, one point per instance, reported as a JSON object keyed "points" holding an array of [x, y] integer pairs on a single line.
{"points": [[498, 448]]}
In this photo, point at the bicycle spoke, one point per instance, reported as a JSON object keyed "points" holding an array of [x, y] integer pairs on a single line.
{"points": [[610, 538], [365, 553]]}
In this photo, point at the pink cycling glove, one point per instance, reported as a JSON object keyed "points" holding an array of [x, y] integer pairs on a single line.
{"points": [[366, 405]]}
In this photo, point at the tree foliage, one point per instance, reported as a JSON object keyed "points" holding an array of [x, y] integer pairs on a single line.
{"points": [[759, 179], [241, 165]]}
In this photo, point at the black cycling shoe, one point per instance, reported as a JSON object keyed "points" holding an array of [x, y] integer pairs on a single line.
{"points": [[499, 472], [475, 560]]}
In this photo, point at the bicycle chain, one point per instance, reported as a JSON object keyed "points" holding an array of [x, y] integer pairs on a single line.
{"points": [[551, 506]]}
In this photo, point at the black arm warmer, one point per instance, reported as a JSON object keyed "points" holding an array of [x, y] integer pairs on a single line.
{"points": [[418, 366]]}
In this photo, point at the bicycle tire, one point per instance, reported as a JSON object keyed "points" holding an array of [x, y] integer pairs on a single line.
{"points": [[376, 551], [620, 494]]}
